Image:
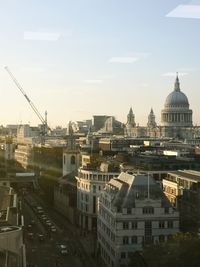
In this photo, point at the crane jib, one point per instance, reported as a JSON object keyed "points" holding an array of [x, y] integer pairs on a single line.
{"points": [[44, 121], [27, 98]]}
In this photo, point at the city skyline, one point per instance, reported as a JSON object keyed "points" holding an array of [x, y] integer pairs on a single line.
{"points": [[84, 58]]}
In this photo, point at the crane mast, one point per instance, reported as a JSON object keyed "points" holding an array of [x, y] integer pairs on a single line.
{"points": [[43, 121]]}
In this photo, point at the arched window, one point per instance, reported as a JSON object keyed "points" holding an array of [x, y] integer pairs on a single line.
{"points": [[73, 160]]}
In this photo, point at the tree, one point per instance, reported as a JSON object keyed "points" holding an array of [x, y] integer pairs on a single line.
{"points": [[181, 251]]}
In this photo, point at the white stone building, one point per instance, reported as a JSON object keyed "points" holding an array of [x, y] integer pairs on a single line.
{"points": [[176, 119], [133, 210], [90, 183]]}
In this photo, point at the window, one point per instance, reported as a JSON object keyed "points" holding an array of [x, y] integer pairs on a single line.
{"points": [[148, 210], [128, 210], [125, 225], [125, 240], [86, 198], [73, 160], [170, 224], [148, 231], [123, 255], [94, 189], [161, 224], [100, 177], [94, 204], [166, 210], [134, 225], [134, 240]]}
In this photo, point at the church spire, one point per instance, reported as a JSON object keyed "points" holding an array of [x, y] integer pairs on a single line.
{"points": [[151, 120], [177, 84], [131, 118], [131, 111]]}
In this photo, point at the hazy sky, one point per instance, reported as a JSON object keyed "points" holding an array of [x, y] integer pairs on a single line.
{"points": [[78, 58]]}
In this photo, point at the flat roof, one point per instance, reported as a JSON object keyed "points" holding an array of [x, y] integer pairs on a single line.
{"points": [[188, 174]]}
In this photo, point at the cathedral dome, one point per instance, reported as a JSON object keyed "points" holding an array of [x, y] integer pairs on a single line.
{"points": [[176, 99], [176, 111]]}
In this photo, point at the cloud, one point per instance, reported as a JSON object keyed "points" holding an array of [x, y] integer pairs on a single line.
{"points": [[173, 74], [185, 11], [123, 60], [93, 81], [41, 36]]}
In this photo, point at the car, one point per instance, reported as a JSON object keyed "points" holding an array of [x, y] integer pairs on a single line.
{"points": [[40, 211], [44, 217], [41, 237], [64, 251], [63, 246], [29, 226], [53, 229], [30, 236]]}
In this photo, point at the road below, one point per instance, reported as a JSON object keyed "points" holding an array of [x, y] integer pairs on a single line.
{"points": [[48, 252]]}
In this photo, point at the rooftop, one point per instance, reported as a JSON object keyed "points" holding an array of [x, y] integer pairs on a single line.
{"points": [[187, 174], [127, 189]]}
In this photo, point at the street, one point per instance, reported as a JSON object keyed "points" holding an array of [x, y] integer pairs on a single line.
{"points": [[49, 241]]}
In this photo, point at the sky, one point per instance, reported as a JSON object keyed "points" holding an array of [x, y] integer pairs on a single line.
{"points": [[79, 58]]}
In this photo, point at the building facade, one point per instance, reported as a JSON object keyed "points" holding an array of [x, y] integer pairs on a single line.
{"points": [[182, 188], [133, 211], [90, 183]]}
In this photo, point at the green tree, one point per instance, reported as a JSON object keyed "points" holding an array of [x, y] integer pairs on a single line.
{"points": [[181, 251]]}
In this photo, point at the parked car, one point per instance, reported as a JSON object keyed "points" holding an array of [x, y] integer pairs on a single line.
{"points": [[41, 237], [64, 251], [53, 229], [31, 236]]}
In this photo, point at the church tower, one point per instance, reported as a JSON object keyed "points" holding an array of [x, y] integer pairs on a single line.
{"points": [[151, 120], [131, 118], [71, 155]]}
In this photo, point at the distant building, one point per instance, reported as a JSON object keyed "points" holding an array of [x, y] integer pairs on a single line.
{"points": [[65, 191], [176, 119], [99, 121], [133, 211], [81, 126], [182, 188], [112, 126], [26, 131], [71, 155]]}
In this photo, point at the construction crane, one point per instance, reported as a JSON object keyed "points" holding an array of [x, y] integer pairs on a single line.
{"points": [[45, 127]]}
